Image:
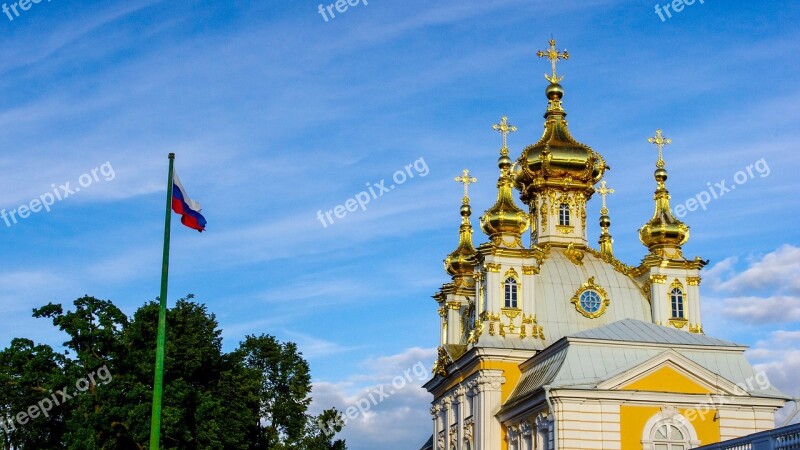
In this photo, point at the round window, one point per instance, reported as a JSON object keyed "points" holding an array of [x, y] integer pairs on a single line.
{"points": [[591, 301]]}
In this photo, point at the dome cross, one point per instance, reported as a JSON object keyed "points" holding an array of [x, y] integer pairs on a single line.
{"points": [[504, 128], [466, 180], [604, 192], [554, 56], [660, 141]]}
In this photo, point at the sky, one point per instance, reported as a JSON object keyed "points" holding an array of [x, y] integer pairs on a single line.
{"points": [[278, 112]]}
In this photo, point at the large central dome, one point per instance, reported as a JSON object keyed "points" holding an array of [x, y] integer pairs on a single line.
{"points": [[557, 160]]}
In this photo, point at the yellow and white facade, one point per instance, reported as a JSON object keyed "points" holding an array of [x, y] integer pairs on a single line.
{"points": [[554, 344]]}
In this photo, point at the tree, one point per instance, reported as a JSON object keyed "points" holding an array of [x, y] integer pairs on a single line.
{"points": [[29, 374], [255, 397]]}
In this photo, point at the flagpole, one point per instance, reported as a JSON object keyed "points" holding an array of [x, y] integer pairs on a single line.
{"points": [[158, 384]]}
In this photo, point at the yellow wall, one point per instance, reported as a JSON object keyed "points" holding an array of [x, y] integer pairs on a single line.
{"points": [[633, 419], [666, 379]]}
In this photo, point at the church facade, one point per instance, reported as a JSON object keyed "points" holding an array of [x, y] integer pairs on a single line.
{"points": [[559, 345]]}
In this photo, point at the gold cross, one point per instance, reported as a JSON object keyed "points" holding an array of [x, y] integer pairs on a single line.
{"points": [[466, 180], [604, 192], [504, 128], [660, 141], [553, 55]]}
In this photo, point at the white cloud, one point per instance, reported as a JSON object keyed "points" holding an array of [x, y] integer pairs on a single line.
{"points": [[779, 357], [775, 276], [777, 309], [779, 270], [387, 405], [312, 347]]}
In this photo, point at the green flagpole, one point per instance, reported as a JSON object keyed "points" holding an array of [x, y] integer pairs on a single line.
{"points": [[158, 384]]}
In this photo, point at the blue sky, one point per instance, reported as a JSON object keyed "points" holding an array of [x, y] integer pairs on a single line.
{"points": [[276, 114]]}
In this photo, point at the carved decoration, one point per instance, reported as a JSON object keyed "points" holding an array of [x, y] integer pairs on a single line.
{"points": [[442, 361], [574, 255]]}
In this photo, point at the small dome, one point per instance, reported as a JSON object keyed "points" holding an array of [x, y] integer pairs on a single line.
{"points": [[663, 230], [463, 260], [505, 217]]}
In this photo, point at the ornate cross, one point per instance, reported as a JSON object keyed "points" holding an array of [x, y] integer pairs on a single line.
{"points": [[604, 192], [553, 55], [466, 180], [504, 128], [660, 141]]}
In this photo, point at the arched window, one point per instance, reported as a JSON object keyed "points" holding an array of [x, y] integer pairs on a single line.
{"points": [[669, 430], [563, 214], [677, 304], [511, 292], [668, 436]]}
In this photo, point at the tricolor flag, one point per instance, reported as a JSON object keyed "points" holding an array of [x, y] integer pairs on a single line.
{"points": [[186, 207]]}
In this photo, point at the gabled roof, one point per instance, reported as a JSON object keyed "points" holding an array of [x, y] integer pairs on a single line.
{"points": [[575, 362], [632, 330]]}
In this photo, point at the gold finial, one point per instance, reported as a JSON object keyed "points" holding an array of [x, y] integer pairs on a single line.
{"points": [[660, 141], [553, 55], [504, 128], [604, 192], [466, 180]]}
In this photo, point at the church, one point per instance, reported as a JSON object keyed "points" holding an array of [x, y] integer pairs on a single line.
{"points": [[558, 345]]}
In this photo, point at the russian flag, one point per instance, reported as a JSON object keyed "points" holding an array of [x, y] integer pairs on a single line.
{"points": [[186, 207]]}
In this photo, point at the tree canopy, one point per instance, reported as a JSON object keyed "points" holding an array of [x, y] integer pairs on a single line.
{"points": [[98, 393]]}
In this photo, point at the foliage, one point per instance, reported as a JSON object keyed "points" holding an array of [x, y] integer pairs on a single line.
{"points": [[255, 397]]}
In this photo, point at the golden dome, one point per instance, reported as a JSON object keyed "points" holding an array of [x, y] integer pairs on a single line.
{"points": [[463, 260], [663, 230], [504, 217], [557, 159]]}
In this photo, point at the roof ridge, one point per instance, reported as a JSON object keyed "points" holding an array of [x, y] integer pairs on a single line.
{"points": [[635, 330]]}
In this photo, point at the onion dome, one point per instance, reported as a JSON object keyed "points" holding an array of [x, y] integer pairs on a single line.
{"points": [[557, 160], [663, 230], [462, 261], [504, 218]]}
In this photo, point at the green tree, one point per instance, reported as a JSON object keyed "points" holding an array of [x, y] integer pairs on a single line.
{"points": [[255, 397], [29, 375]]}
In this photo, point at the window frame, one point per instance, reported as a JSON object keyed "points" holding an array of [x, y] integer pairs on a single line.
{"points": [[564, 215]]}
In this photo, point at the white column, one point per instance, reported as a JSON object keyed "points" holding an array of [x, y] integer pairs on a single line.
{"points": [[461, 400], [488, 433], [526, 435], [448, 419], [436, 411], [693, 301]]}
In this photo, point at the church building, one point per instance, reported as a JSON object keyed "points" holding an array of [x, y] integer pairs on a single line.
{"points": [[558, 345]]}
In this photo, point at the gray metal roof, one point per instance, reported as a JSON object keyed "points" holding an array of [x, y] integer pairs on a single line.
{"points": [[584, 366], [428, 445], [632, 330]]}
